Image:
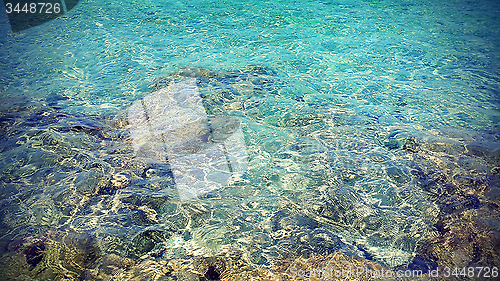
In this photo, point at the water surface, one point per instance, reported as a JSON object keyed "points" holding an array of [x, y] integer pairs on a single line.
{"points": [[370, 128]]}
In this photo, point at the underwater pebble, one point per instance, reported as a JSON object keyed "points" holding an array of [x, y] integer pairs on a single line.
{"points": [[120, 180], [91, 182]]}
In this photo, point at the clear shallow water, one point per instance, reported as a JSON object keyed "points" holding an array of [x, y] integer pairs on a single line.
{"points": [[367, 124]]}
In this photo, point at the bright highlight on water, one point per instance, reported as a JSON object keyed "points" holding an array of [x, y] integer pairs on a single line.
{"points": [[171, 126]]}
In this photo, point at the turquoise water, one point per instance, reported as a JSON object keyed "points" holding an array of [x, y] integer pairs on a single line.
{"points": [[369, 127]]}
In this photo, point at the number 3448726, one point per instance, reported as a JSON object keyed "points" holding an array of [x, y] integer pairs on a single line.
{"points": [[45, 8]]}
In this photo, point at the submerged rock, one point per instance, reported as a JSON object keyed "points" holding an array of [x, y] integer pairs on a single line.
{"points": [[49, 255], [460, 178]]}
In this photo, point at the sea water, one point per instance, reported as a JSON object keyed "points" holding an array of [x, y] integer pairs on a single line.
{"points": [[366, 126]]}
